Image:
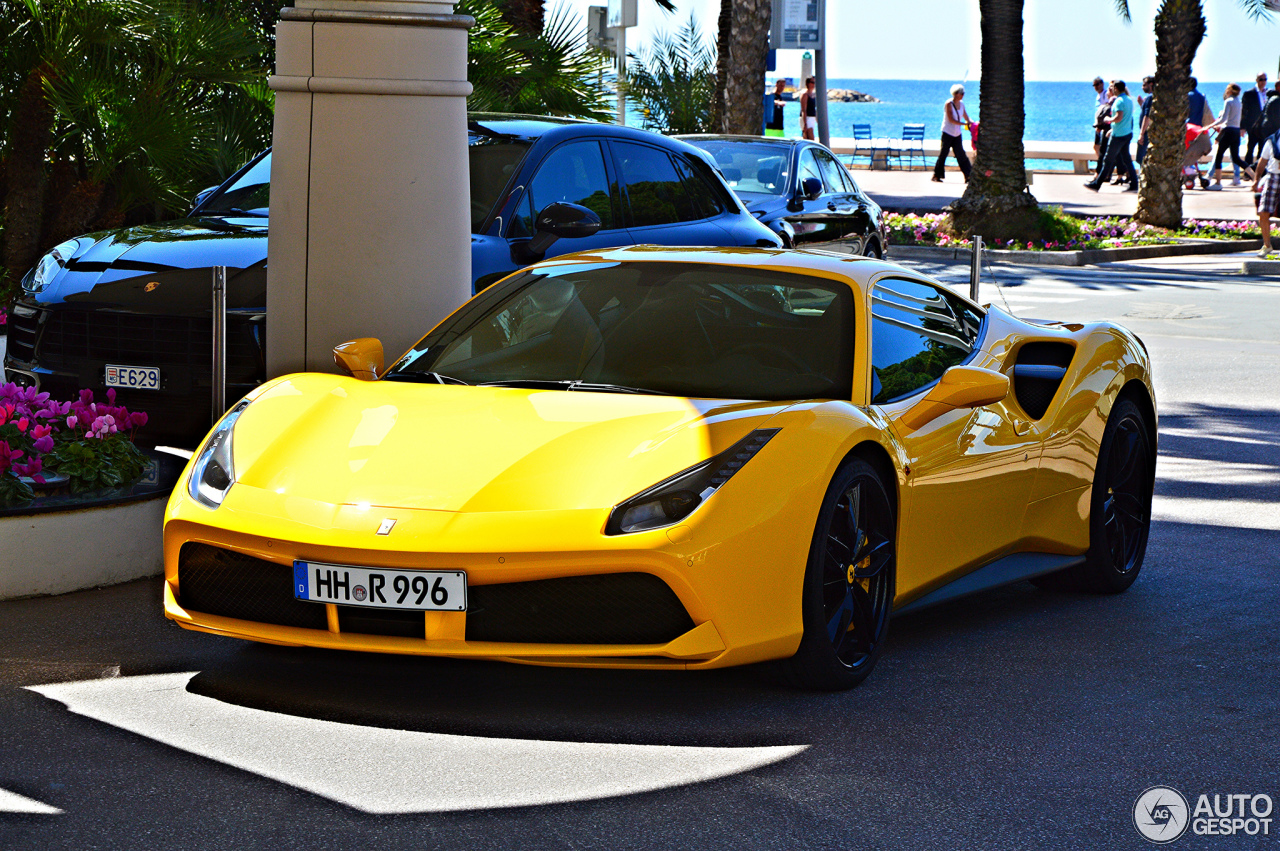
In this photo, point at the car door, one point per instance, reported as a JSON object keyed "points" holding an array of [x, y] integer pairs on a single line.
{"points": [[575, 172], [970, 471], [659, 207], [814, 220], [841, 202]]}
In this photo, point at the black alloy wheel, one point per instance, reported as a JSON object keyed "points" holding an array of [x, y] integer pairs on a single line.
{"points": [[849, 583], [1120, 507]]}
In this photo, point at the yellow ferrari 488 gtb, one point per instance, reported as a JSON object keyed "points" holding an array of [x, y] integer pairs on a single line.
{"points": [[671, 458]]}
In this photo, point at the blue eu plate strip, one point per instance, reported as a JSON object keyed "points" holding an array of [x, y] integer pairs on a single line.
{"points": [[300, 586]]}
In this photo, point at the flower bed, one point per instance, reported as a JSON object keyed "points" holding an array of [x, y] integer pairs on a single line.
{"points": [[89, 444], [1067, 233]]}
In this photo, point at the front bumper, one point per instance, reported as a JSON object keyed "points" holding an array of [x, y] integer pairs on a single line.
{"points": [[728, 618]]}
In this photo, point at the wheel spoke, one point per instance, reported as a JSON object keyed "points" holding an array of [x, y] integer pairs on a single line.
{"points": [[864, 618], [1124, 458], [880, 555], [838, 623], [1129, 507]]}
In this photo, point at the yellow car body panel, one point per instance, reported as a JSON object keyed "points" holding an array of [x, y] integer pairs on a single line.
{"points": [[517, 485]]}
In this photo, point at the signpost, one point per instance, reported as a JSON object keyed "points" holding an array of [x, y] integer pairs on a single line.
{"points": [[802, 25], [622, 14]]}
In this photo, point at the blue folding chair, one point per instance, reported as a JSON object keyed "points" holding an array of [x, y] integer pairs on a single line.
{"points": [[862, 144], [912, 145]]}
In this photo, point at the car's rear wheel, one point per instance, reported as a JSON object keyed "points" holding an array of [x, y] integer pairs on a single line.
{"points": [[1120, 507], [848, 584], [872, 249]]}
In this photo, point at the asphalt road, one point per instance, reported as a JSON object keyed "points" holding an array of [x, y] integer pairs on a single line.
{"points": [[1014, 719]]}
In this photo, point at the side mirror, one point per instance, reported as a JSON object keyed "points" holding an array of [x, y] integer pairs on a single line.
{"points": [[201, 196], [811, 188], [562, 220], [360, 358], [959, 387]]}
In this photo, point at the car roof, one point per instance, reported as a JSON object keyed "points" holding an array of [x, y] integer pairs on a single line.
{"points": [[694, 138], [856, 270]]}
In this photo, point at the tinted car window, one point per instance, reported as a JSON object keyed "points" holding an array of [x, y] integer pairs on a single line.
{"points": [[654, 190], [689, 329], [704, 200], [808, 167], [491, 160], [918, 332], [831, 172], [573, 172], [250, 193], [751, 167]]}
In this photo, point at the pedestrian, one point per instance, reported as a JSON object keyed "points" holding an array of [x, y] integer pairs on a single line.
{"points": [[1228, 127], [1198, 111], [954, 119], [773, 109], [809, 109], [1267, 181], [1121, 122], [1144, 117], [1199, 145], [1251, 104], [1099, 101]]}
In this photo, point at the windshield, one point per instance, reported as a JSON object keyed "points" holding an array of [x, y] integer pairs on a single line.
{"points": [[751, 167], [688, 329], [248, 194], [492, 161]]}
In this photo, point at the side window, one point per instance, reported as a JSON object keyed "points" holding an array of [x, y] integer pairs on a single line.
{"points": [[573, 172], [808, 167], [918, 332], [705, 203], [653, 189], [831, 172]]}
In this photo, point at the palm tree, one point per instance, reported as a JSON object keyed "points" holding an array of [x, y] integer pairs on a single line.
{"points": [[1179, 28], [997, 203], [743, 49], [528, 16], [675, 81]]}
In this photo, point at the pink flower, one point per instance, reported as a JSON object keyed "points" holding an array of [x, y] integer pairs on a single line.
{"points": [[72, 420]]}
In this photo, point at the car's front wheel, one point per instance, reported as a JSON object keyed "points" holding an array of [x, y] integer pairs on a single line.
{"points": [[848, 584]]}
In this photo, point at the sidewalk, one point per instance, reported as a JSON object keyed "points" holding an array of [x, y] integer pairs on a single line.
{"points": [[913, 191]]}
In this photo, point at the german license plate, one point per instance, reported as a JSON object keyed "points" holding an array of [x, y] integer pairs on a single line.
{"points": [[375, 587], [133, 377]]}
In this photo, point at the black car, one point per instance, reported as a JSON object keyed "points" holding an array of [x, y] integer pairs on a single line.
{"points": [[131, 308], [798, 189]]}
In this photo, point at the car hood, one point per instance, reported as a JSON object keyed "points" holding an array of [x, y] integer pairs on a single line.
{"points": [[338, 441], [114, 268]]}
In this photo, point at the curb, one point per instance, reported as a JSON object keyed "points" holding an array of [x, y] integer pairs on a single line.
{"points": [[1260, 267], [1087, 257]]}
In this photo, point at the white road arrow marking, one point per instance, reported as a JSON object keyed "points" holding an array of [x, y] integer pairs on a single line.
{"points": [[395, 771], [12, 802]]}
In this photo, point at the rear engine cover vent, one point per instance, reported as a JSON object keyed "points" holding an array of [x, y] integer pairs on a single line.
{"points": [[1037, 371]]}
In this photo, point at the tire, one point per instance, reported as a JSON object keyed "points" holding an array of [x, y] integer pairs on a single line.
{"points": [[872, 249], [848, 583], [1119, 508]]}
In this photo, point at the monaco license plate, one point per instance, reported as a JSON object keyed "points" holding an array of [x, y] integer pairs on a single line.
{"points": [[133, 377], [375, 587]]}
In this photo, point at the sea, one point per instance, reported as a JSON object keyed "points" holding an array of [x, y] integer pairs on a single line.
{"points": [[1055, 111]]}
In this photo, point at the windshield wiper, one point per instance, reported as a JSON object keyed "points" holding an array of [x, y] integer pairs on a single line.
{"points": [[570, 384], [424, 378]]}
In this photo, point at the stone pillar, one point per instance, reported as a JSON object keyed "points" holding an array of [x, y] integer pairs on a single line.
{"points": [[370, 214]]}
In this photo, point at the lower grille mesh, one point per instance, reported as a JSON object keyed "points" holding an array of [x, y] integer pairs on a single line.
{"points": [[612, 608], [220, 582]]}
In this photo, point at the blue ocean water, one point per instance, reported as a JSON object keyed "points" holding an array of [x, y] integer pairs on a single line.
{"points": [[1055, 111]]}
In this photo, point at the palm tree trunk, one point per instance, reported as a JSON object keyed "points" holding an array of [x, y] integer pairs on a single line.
{"points": [[996, 203], [32, 131], [1180, 27], [743, 48]]}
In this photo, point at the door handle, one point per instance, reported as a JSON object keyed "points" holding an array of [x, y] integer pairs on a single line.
{"points": [[1021, 428], [831, 205]]}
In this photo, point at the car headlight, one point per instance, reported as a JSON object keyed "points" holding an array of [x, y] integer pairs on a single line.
{"points": [[48, 266], [675, 498], [213, 473]]}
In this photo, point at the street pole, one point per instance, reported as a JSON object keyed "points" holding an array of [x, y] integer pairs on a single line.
{"points": [[975, 268], [219, 342], [622, 74], [820, 73]]}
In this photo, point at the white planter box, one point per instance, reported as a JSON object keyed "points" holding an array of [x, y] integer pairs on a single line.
{"points": [[59, 551]]}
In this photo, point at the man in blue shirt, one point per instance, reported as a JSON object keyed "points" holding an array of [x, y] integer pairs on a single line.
{"points": [[1196, 104], [1121, 121]]}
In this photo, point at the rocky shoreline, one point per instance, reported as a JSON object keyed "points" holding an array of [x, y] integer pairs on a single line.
{"points": [[850, 96]]}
